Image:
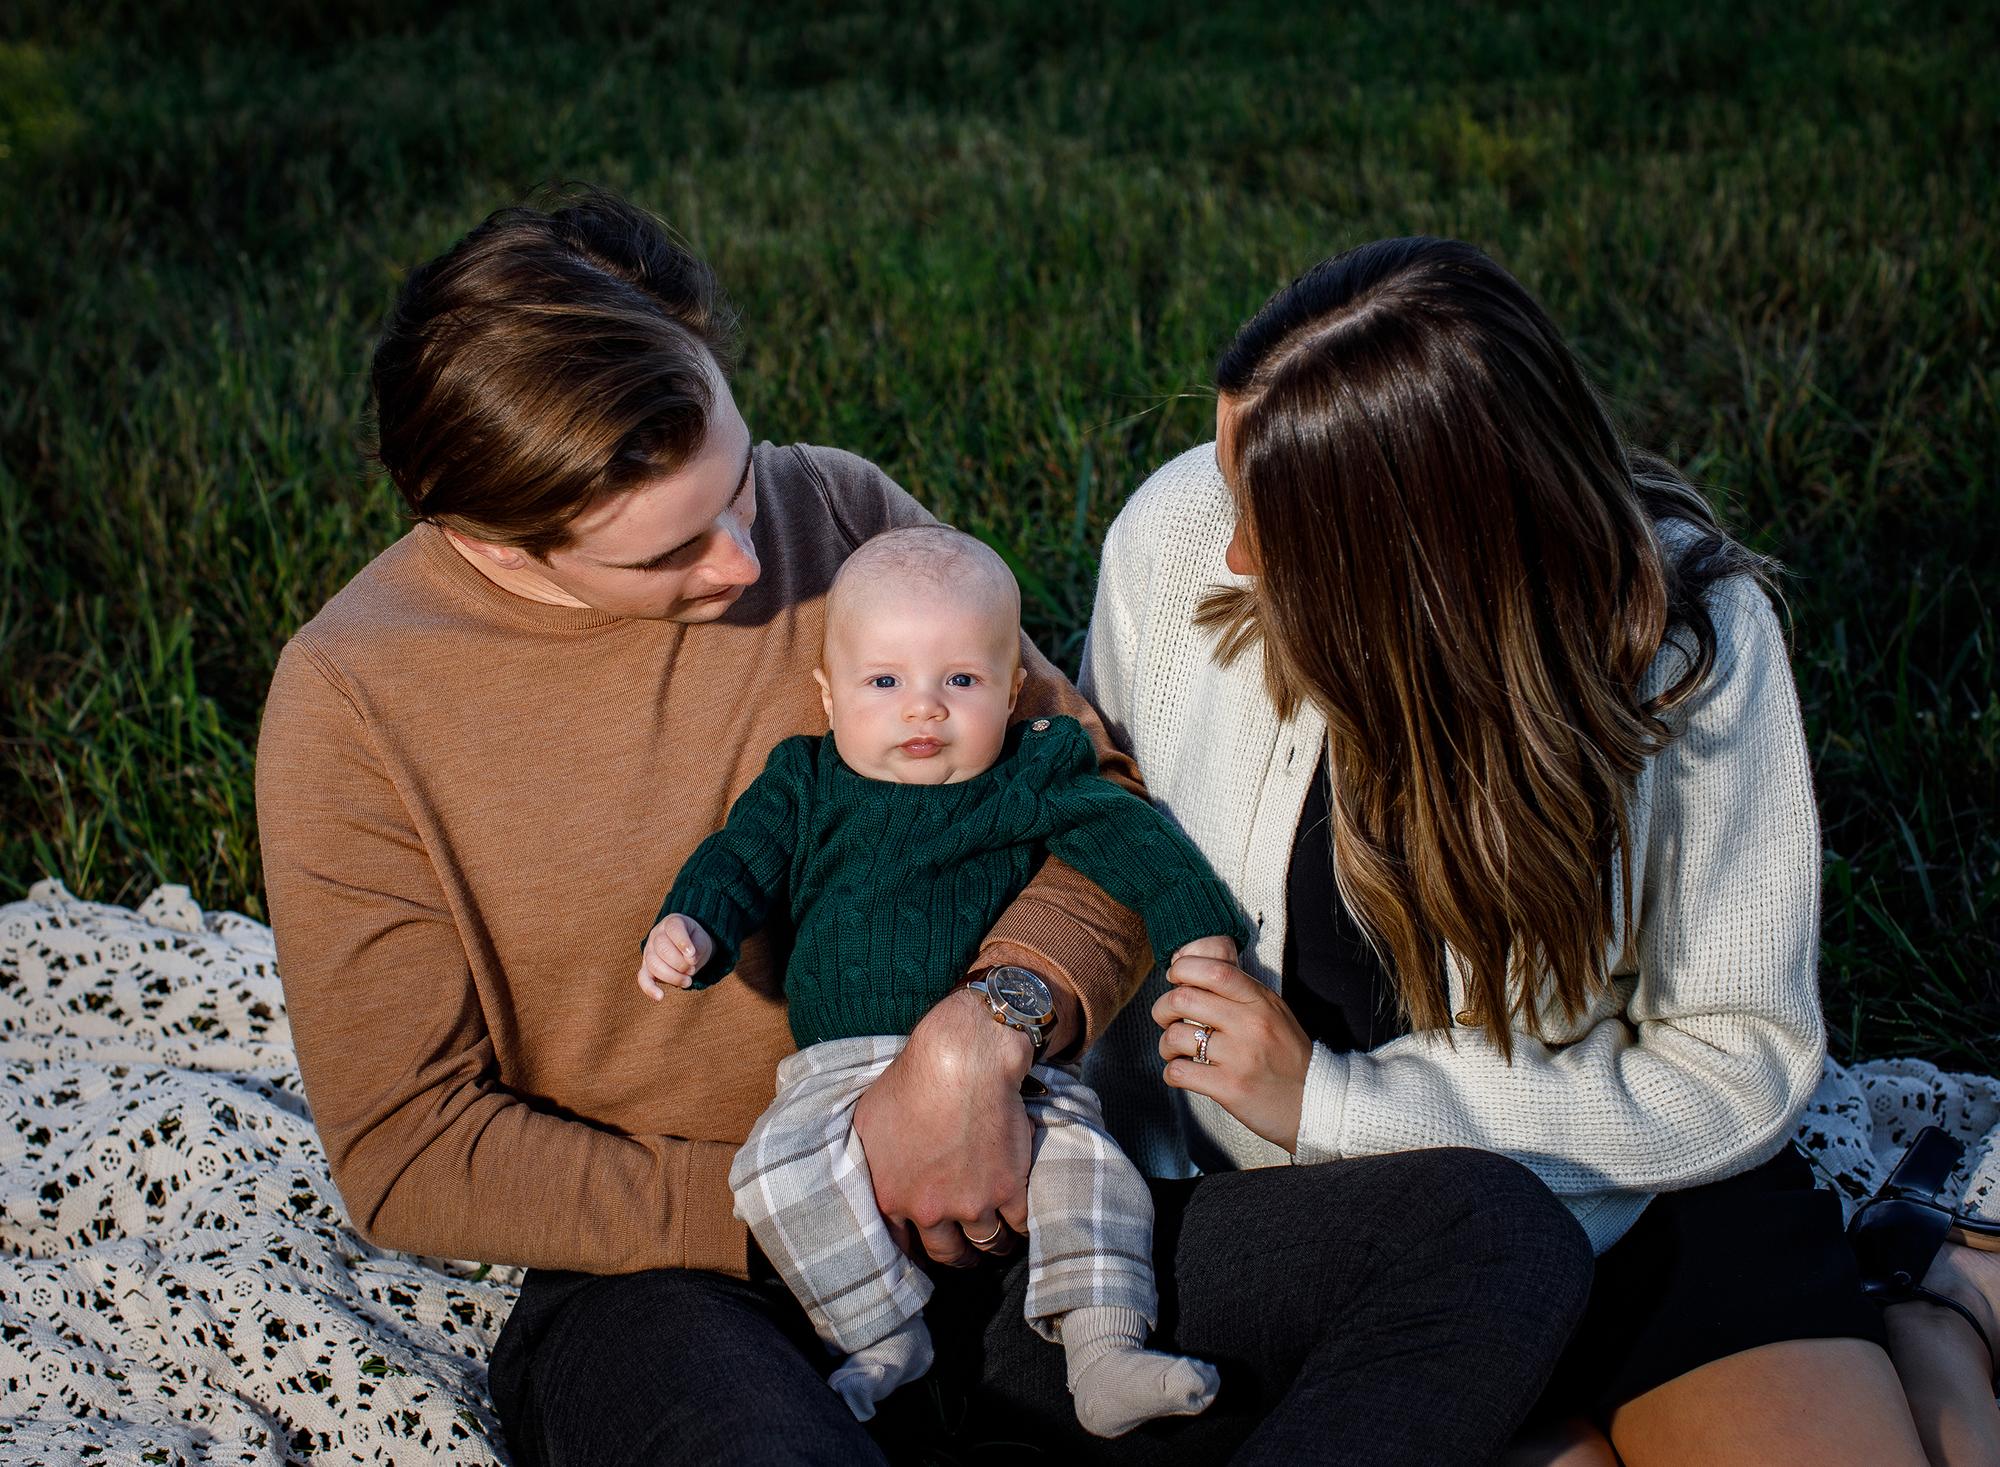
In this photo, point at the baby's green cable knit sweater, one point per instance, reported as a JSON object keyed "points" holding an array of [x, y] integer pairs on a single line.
{"points": [[892, 887]]}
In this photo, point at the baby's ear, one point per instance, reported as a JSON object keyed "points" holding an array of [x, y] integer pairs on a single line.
{"points": [[1020, 677], [825, 692]]}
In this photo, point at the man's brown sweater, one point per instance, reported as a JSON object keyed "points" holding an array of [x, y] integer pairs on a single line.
{"points": [[469, 805]]}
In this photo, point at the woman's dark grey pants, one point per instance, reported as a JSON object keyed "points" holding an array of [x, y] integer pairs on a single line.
{"points": [[1393, 1309]]}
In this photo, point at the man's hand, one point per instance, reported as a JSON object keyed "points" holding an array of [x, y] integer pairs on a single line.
{"points": [[945, 1133], [676, 949]]}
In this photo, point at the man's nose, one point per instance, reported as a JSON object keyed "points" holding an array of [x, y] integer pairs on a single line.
{"points": [[736, 556]]}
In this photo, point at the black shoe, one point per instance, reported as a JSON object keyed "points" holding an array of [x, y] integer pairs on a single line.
{"points": [[1896, 1234]]}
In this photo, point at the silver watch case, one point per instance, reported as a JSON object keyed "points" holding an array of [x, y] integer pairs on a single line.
{"points": [[1020, 999]]}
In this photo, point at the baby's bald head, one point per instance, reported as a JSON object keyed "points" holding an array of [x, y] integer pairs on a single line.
{"points": [[922, 663], [934, 564]]}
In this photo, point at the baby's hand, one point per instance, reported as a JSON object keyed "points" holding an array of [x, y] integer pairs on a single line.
{"points": [[676, 949], [1223, 949]]}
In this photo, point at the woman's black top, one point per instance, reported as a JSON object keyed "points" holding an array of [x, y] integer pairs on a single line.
{"points": [[1333, 980], [1754, 1259]]}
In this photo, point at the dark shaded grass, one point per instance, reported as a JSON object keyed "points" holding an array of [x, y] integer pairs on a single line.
{"points": [[996, 252]]}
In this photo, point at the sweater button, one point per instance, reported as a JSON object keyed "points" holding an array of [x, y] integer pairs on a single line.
{"points": [[1464, 1016], [1040, 725]]}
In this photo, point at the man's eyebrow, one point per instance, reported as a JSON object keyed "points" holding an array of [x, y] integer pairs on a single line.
{"points": [[742, 482]]}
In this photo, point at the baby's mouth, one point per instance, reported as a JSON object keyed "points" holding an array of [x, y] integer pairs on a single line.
{"points": [[920, 748]]}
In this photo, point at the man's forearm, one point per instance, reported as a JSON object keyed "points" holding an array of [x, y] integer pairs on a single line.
{"points": [[1064, 926], [1090, 949], [507, 1183]]}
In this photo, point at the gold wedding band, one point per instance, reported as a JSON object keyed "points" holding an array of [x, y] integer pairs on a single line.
{"points": [[1201, 1033], [982, 1242]]}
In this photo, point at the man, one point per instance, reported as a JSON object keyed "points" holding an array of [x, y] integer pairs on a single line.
{"points": [[481, 765]]}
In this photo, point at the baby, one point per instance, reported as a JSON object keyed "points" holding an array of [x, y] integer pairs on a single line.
{"points": [[897, 840]]}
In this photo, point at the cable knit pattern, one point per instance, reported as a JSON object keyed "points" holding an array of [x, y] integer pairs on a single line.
{"points": [[892, 886], [1692, 1066]]}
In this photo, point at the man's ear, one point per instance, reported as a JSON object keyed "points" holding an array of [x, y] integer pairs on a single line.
{"points": [[825, 692], [507, 557], [1020, 677]]}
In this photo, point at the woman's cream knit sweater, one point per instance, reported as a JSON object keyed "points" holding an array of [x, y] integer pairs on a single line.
{"points": [[1691, 1067]]}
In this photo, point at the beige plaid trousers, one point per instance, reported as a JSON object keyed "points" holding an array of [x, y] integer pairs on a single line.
{"points": [[802, 1184]]}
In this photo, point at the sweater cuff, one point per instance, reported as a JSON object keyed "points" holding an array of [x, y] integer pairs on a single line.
{"points": [[1203, 908], [711, 1236], [1323, 1107], [1066, 951]]}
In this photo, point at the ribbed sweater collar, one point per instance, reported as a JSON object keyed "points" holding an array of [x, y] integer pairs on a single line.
{"points": [[464, 578]]}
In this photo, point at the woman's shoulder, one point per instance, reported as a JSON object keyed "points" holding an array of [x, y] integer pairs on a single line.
{"points": [[1181, 515], [1185, 496], [1751, 650]]}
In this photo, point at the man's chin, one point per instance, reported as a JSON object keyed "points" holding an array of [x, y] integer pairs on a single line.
{"points": [[705, 608]]}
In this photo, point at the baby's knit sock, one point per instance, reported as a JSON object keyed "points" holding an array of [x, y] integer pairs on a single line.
{"points": [[1118, 1383], [873, 1371]]}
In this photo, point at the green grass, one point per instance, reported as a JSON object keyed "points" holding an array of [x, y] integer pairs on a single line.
{"points": [[996, 248]]}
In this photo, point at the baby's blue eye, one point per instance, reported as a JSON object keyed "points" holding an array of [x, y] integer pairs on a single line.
{"points": [[960, 680], [885, 680]]}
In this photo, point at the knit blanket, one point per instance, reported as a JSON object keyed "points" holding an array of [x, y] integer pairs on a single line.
{"points": [[178, 1282]]}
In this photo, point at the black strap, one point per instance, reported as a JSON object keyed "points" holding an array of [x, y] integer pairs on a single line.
{"points": [[1902, 1291]]}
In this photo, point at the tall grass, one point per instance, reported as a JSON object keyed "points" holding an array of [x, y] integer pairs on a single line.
{"points": [[995, 248]]}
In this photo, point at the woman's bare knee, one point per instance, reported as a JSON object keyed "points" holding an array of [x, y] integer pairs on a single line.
{"points": [[1571, 1443], [1834, 1403]]}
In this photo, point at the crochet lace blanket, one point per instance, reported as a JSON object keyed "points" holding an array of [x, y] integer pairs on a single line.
{"points": [[178, 1283]]}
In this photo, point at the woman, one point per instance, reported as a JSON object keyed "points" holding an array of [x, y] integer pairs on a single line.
{"points": [[1492, 732]]}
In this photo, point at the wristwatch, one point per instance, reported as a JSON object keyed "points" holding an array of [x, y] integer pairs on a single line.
{"points": [[1020, 999]]}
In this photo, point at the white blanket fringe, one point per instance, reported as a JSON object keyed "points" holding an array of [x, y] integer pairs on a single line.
{"points": [[178, 1283]]}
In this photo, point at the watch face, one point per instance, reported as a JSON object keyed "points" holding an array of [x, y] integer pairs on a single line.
{"points": [[1021, 991]]}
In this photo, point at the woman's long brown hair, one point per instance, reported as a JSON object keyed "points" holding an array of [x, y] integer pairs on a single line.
{"points": [[1459, 564]]}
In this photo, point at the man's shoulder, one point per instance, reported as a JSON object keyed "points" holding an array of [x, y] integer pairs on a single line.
{"points": [[814, 506], [414, 615], [857, 497], [393, 593]]}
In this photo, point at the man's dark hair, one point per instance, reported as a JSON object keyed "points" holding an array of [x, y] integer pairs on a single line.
{"points": [[548, 358]]}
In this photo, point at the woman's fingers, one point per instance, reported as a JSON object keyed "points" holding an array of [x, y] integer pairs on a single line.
{"points": [[1225, 980], [1198, 1004], [1210, 1080], [1182, 1039], [1221, 948]]}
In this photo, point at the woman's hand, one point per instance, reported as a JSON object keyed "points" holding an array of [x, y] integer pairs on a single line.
{"points": [[1253, 1063]]}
